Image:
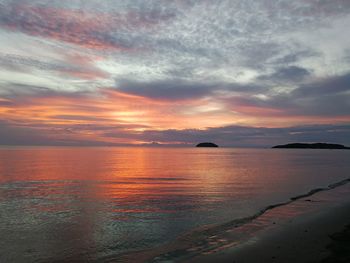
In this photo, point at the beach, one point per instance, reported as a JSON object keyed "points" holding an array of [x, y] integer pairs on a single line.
{"points": [[319, 235], [309, 228]]}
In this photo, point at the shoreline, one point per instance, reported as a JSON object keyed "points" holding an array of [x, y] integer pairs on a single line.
{"points": [[318, 236], [320, 213], [304, 239]]}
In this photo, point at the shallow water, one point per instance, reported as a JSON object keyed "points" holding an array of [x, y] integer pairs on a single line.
{"points": [[89, 204]]}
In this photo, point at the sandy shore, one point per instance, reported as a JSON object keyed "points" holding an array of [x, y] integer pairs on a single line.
{"points": [[309, 228], [322, 234]]}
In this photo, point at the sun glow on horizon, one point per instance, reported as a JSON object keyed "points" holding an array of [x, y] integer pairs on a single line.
{"points": [[170, 72]]}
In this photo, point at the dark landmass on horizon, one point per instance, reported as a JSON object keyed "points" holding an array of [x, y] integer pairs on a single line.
{"points": [[206, 144], [311, 146]]}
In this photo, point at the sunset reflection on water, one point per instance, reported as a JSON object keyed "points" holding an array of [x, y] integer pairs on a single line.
{"points": [[60, 203]]}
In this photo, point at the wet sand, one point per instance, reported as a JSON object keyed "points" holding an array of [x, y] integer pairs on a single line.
{"points": [[340, 247], [322, 234], [309, 228]]}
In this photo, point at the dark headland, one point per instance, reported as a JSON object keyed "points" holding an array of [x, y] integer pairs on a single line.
{"points": [[206, 144], [311, 146]]}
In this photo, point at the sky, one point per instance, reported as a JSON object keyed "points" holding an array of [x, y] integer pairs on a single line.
{"points": [[250, 73]]}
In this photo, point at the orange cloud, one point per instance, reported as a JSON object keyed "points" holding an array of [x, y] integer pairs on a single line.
{"points": [[111, 116], [91, 116]]}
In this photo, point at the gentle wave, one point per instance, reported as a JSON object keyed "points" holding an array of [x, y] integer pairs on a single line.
{"points": [[200, 240]]}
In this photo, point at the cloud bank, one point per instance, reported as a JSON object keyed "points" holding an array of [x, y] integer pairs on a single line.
{"points": [[130, 72]]}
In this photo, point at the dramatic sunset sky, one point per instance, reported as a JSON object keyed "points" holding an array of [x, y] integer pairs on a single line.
{"points": [[113, 72]]}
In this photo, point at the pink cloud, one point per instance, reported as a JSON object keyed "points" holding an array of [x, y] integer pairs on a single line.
{"points": [[89, 30]]}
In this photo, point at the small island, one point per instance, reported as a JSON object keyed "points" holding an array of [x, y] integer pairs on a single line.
{"points": [[311, 146], [206, 144]]}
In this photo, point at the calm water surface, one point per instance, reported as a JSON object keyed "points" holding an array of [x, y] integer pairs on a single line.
{"points": [[89, 204]]}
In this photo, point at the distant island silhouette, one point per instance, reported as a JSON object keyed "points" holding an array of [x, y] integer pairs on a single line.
{"points": [[206, 144], [311, 146]]}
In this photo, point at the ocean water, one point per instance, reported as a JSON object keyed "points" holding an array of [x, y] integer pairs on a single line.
{"points": [[66, 204]]}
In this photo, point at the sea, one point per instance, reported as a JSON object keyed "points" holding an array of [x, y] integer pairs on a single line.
{"points": [[101, 204]]}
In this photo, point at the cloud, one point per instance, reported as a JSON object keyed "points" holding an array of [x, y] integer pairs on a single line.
{"points": [[76, 69], [11, 134], [324, 97], [116, 71], [177, 89], [294, 56], [245, 136], [325, 86], [166, 89], [88, 29], [90, 113], [233, 136], [287, 74], [19, 91]]}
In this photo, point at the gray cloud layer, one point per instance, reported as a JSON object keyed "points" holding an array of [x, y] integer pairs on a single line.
{"points": [[235, 136], [242, 136], [177, 89], [250, 59]]}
